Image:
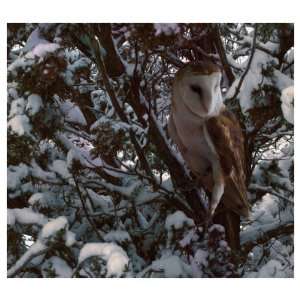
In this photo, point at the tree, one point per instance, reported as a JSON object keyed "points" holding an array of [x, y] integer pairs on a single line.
{"points": [[95, 186]]}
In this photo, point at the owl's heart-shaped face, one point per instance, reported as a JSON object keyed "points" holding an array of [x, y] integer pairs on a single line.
{"points": [[199, 90]]}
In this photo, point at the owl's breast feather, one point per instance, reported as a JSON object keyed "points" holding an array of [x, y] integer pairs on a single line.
{"points": [[198, 154]]}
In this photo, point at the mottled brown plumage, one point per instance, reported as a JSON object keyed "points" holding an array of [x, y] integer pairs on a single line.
{"points": [[227, 137]]}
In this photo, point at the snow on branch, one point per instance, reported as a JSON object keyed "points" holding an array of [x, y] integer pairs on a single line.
{"points": [[261, 235], [35, 250], [114, 256], [54, 231]]}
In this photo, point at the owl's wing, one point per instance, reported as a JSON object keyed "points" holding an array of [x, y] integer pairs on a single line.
{"points": [[227, 137]]}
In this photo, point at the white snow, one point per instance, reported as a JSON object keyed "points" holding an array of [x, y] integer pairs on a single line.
{"points": [[172, 267], [33, 40], [187, 239], [41, 199], [20, 124], [216, 227], [265, 217], [166, 28], [41, 50], [15, 174], [145, 195], [25, 216], [103, 201], [201, 258], [21, 62], [113, 254], [70, 238], [115, 125], [60, 167], [287, 105], [34, 104], [126, 191], [82, 155], [35, 249], [272, 269], [58, 265], [117, 236], [17, 107], [58, 225], [258, 229], [38, 172], [178, 220], [12, 91], [265, 210], [82, 62], [72, 113], [167, 182], [144, 224], [54, 226], [254, 79]]}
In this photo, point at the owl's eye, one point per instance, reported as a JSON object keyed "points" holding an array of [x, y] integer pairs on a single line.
{"points": [[196, 89]]}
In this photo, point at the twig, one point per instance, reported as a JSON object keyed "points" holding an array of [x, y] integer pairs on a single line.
{"points": [[237, 90], [222, 55], [118, 108], [270, 191], [86, 211]]}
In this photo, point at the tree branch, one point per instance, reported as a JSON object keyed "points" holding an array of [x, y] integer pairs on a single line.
{"points": [[35, 250], [237, 90], [222, 55], [267, 235]]}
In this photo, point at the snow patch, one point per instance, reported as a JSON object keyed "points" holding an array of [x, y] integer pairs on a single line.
{"points": [[35, 249], [104, 202], [172, 267], [15, 174], [178, 220], [53, 226], [42, 50], [39, 51], [255, 78], [42, 200], [166, 28], [34, 104], [201, 258], [17, 107], [60, 167], [24, 216], [117, 236], [20, 124], [216, 227], [33, 40], [58, 266], [114, 255], [70, 238], [272, 269], [72, 113], [287, 105]]}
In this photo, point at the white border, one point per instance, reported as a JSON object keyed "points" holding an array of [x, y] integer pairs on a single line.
{"points": [[139, 11]]}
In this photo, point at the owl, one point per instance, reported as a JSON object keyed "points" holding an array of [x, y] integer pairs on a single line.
{"points": [[210, 140]]}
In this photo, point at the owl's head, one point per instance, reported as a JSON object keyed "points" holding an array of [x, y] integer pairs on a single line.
{"points": [[197, 85]]}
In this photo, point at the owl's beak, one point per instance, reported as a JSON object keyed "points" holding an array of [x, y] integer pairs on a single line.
{"points": [[204, 105]]}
